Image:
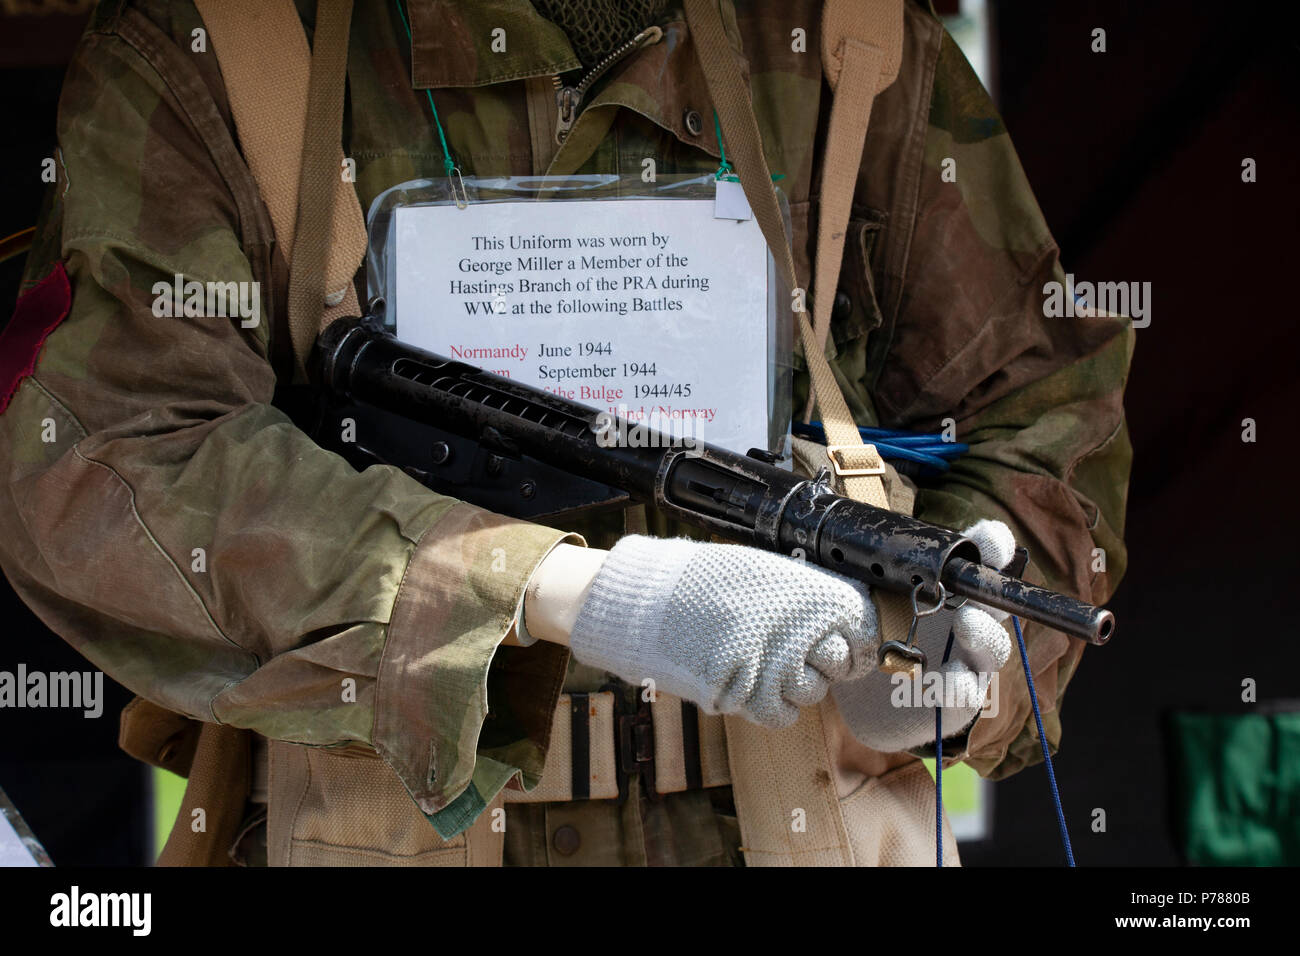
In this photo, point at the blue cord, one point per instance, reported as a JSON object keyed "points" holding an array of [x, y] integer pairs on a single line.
{"points": [[938, 787], [938, 768], [1042, 739], [928, 450]]}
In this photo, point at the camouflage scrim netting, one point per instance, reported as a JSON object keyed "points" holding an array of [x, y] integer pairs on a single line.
{"points": [[597, 27]]}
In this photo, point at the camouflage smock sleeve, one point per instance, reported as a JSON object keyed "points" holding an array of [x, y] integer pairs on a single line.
{"points": [[1038, 399], [183, 535]]}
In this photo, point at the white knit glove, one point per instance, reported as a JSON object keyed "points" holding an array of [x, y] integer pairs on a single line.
{"points": [[731, 628], [981, 646]]}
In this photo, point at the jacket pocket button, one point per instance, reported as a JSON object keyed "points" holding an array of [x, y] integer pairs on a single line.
{"points": [[842, 307], [566, 840]]}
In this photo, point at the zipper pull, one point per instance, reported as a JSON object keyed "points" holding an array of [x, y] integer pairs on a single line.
{"points": [[567, 100]]}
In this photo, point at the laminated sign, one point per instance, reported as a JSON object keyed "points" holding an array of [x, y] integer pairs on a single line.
{"points": [[651, 308]]}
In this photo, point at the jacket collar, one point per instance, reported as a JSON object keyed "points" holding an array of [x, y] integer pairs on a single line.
{"points": [[451, 46], [452, 43]]}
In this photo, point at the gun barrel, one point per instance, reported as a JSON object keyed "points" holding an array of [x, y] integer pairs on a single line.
{"points": [[1070, 615]]}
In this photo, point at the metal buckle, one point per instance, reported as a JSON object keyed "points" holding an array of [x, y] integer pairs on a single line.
{"points": [[899, 657], [635, 745], [844, 472]]}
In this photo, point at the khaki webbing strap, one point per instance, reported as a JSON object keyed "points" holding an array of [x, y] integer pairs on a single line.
{"points": [[690, 751], [310, 291], [218, 785], [774, 772], [862, 45], [599, 757], [273, 81], [859, 471], [862, 49], [730, 96]]}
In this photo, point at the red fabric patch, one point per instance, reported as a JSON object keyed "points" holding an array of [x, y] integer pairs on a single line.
{"points": [[38, 312]]}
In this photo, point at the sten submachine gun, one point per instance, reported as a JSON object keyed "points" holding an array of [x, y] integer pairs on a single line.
{"points": [[527, 453]]}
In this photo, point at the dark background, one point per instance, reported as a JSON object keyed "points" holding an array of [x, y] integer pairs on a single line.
{"points": [[1135, 155]]}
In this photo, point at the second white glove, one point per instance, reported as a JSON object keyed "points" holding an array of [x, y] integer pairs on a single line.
{"points": [[981, 647]]}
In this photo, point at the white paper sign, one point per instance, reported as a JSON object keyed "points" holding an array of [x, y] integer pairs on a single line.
{"points": [[649, 308]]}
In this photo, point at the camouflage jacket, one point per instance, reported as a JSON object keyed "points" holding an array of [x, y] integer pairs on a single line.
{"points": [[166, 518]]}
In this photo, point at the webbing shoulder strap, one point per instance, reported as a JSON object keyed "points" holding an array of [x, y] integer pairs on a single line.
{"points": [[862, 47], [862, 43], [287, 102]]}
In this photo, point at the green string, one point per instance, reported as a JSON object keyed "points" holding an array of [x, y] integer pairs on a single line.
{"points": [[447, 163], [724, 169]]}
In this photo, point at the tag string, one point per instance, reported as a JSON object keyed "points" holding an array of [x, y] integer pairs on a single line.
{"points": [[724, 169], [448, 164]]}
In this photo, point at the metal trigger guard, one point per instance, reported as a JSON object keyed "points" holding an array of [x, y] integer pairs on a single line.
{"points": [[908, 650]]}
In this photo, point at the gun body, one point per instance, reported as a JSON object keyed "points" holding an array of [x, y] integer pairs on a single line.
{"points": [[525, 452]]}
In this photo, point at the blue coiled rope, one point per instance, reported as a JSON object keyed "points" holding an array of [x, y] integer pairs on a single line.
{"points": [[928, 450]]}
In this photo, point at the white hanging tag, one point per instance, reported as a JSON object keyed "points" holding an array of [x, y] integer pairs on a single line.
{"points": [[729, 201]]}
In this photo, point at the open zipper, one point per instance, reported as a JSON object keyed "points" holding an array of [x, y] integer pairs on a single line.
{"points": [[569, 98]]}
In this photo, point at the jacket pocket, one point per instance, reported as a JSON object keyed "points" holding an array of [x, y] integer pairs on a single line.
{"points": [[856, 310], [345, 807], [890, 820]]}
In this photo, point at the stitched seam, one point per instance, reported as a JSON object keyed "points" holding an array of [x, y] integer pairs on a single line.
{"points": [[524, 74], [136, 36], [1100, 446], [379, 724], [453, 850], [166, 557], [155, 259], [298, 804], [897, 255], [915, 149], [54, 400]]}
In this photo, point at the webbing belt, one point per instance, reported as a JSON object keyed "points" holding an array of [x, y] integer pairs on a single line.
{"points": [[595, 748]]}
